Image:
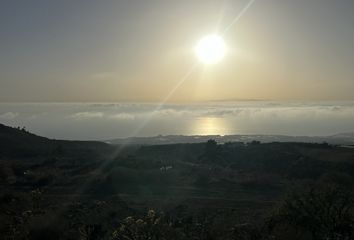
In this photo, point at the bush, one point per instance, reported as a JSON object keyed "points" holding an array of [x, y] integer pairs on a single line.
{"points": [[152, 226], [325, 211]]}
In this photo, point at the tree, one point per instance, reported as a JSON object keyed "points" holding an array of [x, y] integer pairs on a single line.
{"points": [[324, 211], [211, 151]]}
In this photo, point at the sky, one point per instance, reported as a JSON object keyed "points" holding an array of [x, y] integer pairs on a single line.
{"points": [[138, 51]]}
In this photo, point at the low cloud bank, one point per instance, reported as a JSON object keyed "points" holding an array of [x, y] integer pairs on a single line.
{"points": [[105, 121]]}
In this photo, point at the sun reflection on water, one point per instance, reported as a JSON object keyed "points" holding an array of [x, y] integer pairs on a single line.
{"points": [[210, 126]]}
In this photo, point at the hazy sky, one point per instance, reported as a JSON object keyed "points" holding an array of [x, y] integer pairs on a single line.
{"points": [[90, 50]]}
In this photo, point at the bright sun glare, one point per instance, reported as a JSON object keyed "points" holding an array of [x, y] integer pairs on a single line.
{"points": [[210, 49]]}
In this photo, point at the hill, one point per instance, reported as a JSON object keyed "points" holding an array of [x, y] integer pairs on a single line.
{"points": [[76, 189], [16, 142]]}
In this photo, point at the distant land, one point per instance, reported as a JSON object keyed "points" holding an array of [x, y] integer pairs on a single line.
{"points": [[340, 139], [337, 139]]}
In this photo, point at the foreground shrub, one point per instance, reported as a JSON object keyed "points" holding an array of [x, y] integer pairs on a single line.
{"points": [[324, 211], [153, 226]]}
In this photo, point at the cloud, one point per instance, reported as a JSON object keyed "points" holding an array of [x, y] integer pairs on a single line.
{"points": [[9, 115], [102, 116], [86, 115], [110, 120], [169, 112], [122, 116]]}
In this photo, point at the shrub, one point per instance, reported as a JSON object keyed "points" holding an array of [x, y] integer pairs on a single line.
{"points": [[325, 211], [152, 226]]}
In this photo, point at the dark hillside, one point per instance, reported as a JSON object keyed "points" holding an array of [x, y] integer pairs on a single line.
{"points": [[16, 142], [86, 189]]}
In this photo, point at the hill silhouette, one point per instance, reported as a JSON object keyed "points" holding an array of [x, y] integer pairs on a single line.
{"points": [[18, 142]]}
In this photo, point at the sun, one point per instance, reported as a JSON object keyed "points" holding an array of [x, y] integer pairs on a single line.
{"points": [[210, 49]]}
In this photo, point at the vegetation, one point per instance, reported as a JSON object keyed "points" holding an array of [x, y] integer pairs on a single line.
{"points": [[54, 189], [324, 211]]}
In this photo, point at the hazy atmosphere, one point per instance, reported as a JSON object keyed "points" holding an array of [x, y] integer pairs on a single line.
{"points": [[177, 119], [110, 51]]}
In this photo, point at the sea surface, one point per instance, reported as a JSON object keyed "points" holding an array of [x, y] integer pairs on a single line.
{"points": [[104, 121]]}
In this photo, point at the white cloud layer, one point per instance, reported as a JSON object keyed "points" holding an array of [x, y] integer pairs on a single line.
{"points": [[86, 115], [112, 120], [8, 115]]}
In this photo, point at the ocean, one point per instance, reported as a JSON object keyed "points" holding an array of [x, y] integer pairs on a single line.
{"points": [[104, 121]]}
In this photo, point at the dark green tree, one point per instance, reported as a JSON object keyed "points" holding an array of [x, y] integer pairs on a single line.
{"points": [[325, 211]]}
